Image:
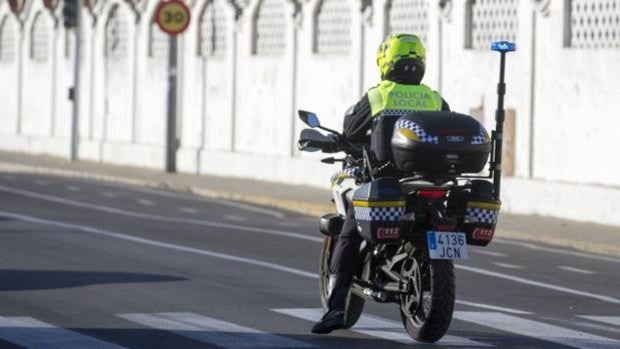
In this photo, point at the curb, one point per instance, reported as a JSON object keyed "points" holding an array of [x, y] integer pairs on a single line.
{"points": [[299, 207]]}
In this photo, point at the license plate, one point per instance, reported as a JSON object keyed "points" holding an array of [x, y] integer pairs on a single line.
{"points": [[447, 245]]}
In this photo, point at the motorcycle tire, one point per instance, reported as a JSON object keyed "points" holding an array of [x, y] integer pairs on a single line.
{"points": [[355, 304], [431, 319]]}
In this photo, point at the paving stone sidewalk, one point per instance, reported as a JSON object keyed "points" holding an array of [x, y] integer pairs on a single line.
{"points": [[582, 236]]}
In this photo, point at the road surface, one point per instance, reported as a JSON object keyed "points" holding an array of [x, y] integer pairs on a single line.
{"points": [[88, 264]]}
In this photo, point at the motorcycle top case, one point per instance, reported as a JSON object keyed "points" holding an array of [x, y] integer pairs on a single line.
{"points": [[440, 143], [378, 207]]}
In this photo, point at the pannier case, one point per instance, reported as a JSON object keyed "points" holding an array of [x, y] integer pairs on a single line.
{"points": [[378, 207], [440, 143], [476, 210], [480, 221]]}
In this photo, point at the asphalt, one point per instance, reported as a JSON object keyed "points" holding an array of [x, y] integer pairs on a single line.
{"points": [[109, 263], [582, 236]]}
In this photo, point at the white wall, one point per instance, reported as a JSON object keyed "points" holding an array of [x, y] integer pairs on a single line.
{"points": [[236, 108]]}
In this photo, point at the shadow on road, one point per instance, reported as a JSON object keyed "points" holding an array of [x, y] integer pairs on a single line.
{"points": [[199, 339], [21, 280]]}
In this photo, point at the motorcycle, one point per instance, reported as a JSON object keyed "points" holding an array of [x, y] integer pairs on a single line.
{"points": [[414, 225]]}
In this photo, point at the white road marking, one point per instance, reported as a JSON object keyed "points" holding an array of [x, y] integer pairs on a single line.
{"points": [[381, 328], [490, 253], [525, 281], [156, 217], [107, 194], [508, 266], [612, 320], [145, 202], [213, 331], [188, 210], [288, 224], [34, 334], [181, 248], [557, 250], [576, 270], [222, 202], [235, 218], [42, 182], [73, 188], [537, 330], [493, 307]]}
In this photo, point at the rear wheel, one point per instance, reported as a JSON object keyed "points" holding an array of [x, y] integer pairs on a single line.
{"points": [[355, 304], [427, 310]]}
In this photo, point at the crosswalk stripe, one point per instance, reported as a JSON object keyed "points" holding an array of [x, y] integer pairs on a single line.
{"points": [[213, 331], [381, 328], [34, 334], [612, 320], [538, 330]]}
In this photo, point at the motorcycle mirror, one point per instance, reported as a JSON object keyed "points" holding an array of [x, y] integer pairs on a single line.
{"points": [[309, 118]]}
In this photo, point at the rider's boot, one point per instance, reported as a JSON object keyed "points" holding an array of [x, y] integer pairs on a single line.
{"points": [[333, 319]]}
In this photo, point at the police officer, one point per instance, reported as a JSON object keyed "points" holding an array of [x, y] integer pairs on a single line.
{"points": [[401, 62]]}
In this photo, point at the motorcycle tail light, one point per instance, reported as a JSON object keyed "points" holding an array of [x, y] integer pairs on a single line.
{"points": [[432, 193]]}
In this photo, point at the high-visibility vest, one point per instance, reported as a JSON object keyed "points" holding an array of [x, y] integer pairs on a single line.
{"points": [[395, 99]]}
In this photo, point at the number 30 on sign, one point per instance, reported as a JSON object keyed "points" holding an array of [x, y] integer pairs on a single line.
{"points": [[172, 16]]}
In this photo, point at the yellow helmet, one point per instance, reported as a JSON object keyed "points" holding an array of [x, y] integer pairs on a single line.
{"points": [[401, 48]]}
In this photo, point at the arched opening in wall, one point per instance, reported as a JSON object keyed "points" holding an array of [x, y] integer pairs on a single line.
{"points": [[39, 39], [332, 34], [270, 28], [7, 40], [212, 30], [490, 20], [159, 43], [408, 16], [590, 24], [117, 78], [217, 79]]}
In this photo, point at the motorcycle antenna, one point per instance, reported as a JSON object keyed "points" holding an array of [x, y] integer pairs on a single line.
{"points": [[502, 47]]}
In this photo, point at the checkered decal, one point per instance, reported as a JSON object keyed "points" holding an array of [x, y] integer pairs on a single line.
{"points": [[481, 137], [415, 128], [480, 215], [379, 214], [348, 172]]}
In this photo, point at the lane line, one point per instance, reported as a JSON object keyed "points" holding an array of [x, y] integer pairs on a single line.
{"points": [[576, 270], [375, 326], [34, 334], [107, 194], [73, 188], [191, 196], [145, 202], [490, 253], [213, 331], [42, 182], [557, 250], [188, 210], [181, 248], [525, 281], [537, 330], [127, 213], [509, 266], [612, 320], [493, 307], [235, 218]]}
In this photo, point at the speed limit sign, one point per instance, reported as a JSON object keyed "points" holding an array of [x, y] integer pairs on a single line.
{"points": [[172, 16]]}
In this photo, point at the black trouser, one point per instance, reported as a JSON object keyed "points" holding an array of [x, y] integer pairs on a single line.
{"points": [[346, 256]]}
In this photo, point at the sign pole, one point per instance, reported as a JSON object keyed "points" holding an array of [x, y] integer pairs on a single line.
{"points": [[172, 17], [171, 122], [75, 117]]}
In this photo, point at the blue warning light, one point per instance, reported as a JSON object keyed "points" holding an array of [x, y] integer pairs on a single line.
{"points": [[503, 46]]}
